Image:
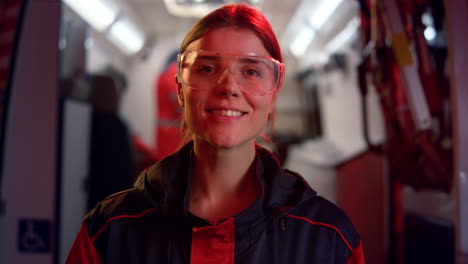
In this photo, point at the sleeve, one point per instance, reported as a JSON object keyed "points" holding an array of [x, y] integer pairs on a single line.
{"points": [[357, 257], [83, 250]]}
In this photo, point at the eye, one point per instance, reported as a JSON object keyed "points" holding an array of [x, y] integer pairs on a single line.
{"points": [[204, 68], [252, 73], [207, 69]]}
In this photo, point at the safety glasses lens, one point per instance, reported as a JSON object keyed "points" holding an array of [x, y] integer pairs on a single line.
{"points": [[204, 70]]}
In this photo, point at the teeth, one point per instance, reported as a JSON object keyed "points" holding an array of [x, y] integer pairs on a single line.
{"points": [[227, 112]]}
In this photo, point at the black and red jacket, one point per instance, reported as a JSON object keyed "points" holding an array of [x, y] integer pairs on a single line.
{"points": [[151, 223]]}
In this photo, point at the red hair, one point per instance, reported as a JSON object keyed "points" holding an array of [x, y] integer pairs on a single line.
{"points": [[236, 15]]}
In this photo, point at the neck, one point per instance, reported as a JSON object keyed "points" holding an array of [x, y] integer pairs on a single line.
{"points": [[223, 181], [221, 169]]}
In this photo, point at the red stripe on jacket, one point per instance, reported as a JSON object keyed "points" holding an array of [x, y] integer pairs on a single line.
{"points": [[83, 250], [357, 254], [357, 257], [118, 217]]}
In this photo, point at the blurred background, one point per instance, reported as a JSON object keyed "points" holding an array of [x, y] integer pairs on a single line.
{"points": [[371, 113]]}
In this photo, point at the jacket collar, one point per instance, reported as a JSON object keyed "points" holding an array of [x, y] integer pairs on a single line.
{"points": [[166, 184]]}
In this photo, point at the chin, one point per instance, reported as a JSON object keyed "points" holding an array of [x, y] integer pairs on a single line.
{"points": [[225, 143], [228, 143]]}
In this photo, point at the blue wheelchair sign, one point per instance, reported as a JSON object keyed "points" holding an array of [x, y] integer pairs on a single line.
{"points": [[34, 236]]}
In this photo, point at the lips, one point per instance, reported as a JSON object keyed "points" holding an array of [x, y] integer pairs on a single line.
{"points": [[226, 112]]}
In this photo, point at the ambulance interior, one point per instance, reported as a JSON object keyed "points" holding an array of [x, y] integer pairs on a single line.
{"points": [[377, 133]]}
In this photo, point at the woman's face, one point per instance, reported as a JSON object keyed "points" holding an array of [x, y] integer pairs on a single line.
{"points": [[223, 115]]}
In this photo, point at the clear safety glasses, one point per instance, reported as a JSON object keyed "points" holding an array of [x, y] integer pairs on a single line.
{"points": [[202, 70]]}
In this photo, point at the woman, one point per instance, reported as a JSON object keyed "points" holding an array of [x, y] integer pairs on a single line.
{"points": [[221, 198]]}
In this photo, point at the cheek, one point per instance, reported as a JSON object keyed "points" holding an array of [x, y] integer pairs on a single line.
{"points": [[266, 105], [192, 108]]}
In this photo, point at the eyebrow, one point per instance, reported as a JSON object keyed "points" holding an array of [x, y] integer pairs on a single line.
{"points": [[261, 62], [241, 59], [251, 60], [208, 57]]}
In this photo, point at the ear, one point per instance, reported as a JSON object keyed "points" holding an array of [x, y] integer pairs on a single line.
{"points": [[180, 95]]}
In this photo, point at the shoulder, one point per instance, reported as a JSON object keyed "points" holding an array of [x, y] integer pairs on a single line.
{"points": [[320, 213], [130, 203]]}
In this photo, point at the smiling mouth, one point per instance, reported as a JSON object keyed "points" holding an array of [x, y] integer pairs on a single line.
{"points": [[233, 113]]}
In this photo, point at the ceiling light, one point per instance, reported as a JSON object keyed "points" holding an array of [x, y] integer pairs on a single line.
{"points": [[183, 9], [96, 13], [127, 36], [323, 12], [344, 35], [199, 8], [427, 19], [301, 42], [430, 33]]}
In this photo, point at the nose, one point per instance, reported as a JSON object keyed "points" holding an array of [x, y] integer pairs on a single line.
{"points": [[227, 84]]}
